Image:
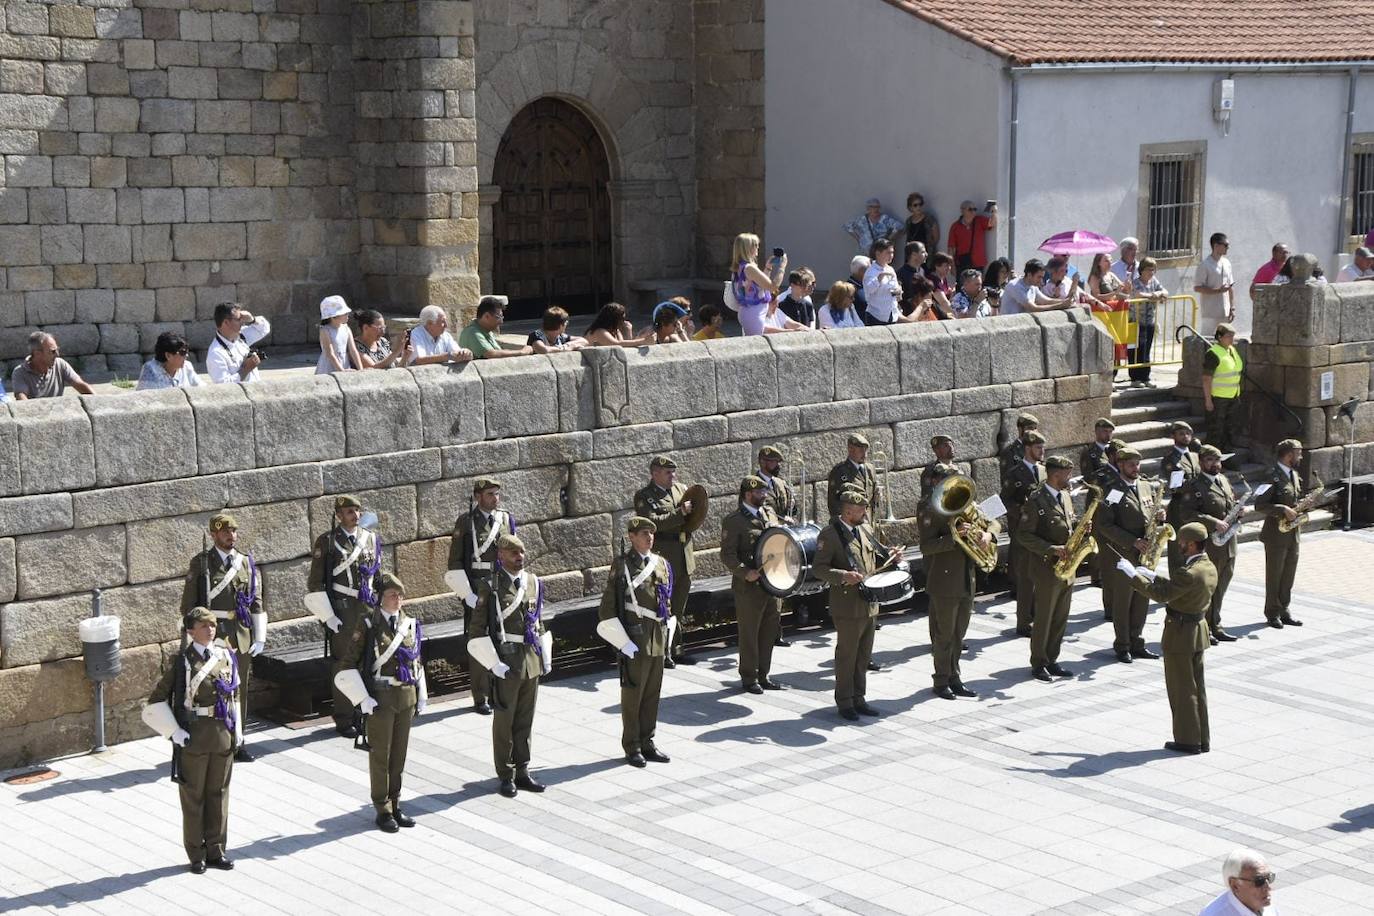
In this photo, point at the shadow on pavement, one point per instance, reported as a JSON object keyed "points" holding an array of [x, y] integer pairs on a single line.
{"points": [[65, 895], [1088, 765]]}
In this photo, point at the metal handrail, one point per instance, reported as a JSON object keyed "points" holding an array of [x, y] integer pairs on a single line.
{"points": [[1250, 381], [1161, 326]]}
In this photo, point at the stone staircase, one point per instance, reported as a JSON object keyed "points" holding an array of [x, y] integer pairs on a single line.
{"points": [[1142, 417]]}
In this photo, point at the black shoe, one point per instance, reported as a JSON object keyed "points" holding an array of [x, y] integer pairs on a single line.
{"points": [[874, 666], [849, 714], [1023, 632], [483, 708], [528, 782], [1222, 636], [1107, 616], [961, 691], [402, 819], [943, 692], [668, 662], [1206, 748], [1040, 674], [685, 659], [1275, 622], [223, 863], [197, 868], [877, 626], [864, 709], [243, 756], [782, 643], [1144, 653], [1290, 621], [387, 823], [653, 753], [1058, 670], [753, 687], [508, 788], [770, 684], [1123, 656], [346, 730], [636, 760], [1212, 640], [1183, 748]]}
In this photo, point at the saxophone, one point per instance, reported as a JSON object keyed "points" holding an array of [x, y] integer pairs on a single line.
{"points": [[1156, 534], [1079, 546], [1222, 538], [1305, 505]]}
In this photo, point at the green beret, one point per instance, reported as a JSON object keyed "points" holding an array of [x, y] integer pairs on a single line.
{"points": [[1193, 531], [662, 461], [858, 439], [1288, 445], [1223, 329], [1034, 438], [938, 438], [484, 483], [771, 453], [1058, 463], [221, 520], [1180, 426], [1027, 421], [346, 501], [1104, 423], [1127, 454], [853, 498], [1209, 451], [640, 523], [509, 542], [195, 615], [754, 483], [392, 582], [1116, 445]]}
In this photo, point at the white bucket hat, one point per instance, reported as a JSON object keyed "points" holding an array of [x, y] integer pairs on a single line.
{"points": [[333, 307]]}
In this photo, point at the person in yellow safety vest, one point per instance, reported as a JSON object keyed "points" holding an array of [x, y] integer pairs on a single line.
{"points": [[1221, 374]]}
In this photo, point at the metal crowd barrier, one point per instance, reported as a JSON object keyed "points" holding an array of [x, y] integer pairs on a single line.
{"points": [[1165, 350]]}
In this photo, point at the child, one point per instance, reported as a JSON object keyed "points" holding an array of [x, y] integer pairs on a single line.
{"points": [[553, 336], [338, 352], [796, 302], [1148, 288], [712, 323], [668, 323]]}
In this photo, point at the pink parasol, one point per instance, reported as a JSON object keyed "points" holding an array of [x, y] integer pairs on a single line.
{"points": [[1078, 241]]}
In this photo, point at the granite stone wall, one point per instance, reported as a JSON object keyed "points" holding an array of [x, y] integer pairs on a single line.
{"points": [[115, 493]]}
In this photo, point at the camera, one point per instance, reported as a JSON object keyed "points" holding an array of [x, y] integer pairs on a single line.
{"points": [[779, 253], [259, 353]]}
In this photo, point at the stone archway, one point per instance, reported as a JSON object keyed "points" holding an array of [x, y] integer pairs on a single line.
{"points": [[551, 225]]}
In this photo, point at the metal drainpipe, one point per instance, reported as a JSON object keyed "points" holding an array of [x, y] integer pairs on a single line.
{"points": [[98, 609], [1011, 167], [1341, 232]]}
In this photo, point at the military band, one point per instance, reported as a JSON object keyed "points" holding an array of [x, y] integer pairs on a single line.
{"points": [[1047, 518], [664, 502], [854, 473], [1277, 504], [1128, 511], [471, 558], [943, 448], [1019, 481], [779, 495], [758, 614], [1104, 478], [1179, 467], [1093, 458], [1015, 449], [1209, 499]]}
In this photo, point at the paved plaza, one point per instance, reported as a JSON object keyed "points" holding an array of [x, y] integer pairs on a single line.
{"points": [[1037, 798]]}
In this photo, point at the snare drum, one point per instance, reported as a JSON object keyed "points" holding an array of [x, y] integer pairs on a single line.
{"points": [[783, 555], [890, 586]]}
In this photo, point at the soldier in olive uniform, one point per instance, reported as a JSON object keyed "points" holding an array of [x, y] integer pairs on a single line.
{"points": [[390, 691], [951, 582], [471, 553], [1280, 549], [510, 641], [780, 495], [1182, 457], [1018, 483], [195, 705], [1121, 523], [1015, 450], [846, 553], [345, 571], [854, 473], [662, 502], [1094, 455], [634, 618], [933, 473], [1104, 561], [758, 614], [1187, 593], [1046, 521], [1208, 499], [230, 586]]}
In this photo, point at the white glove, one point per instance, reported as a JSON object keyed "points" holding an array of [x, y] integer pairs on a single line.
{"points": [[367, 705], [1125, 566], [1148, 574], [420, 704], [334, 624], [501, 669], [255, 649], [629, 649], [471, 599], [181, 737]]}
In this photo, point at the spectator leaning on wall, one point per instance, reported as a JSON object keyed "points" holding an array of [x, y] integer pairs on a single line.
{"points": [[432, 341], [231, 357], [480, 336], [43, 373]]}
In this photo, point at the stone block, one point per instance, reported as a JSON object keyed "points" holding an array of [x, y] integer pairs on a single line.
{"points": [[696, 432], [927, 356], [40, 631], [148, 614], [805, 367], [421, 566], [1357, 312], [1297, 315], [380, 470], [530, 494], [576, 543], [980, 400], [210, 242], [40, 693], [640, 439], [56, 450], [974, 435], [451, 404], [292, 481], [568, 586], [650, 384], [161, 547], [35, 514], [395, 508], [834, 415], [283, 595], [1039, 391], [1018, 352], [867, 362], [296, 420], [558, 448], [229, 205], [107, 244], [9, 454], [746, 373], [224, 434], [379, 411], [520, 396], [576, 394], [759, 424], [70, 561], [1096, 351], [1059, 334], [971, 346], [1065, 426], [148, 436], [1073, 388], [8, 574], [480, 458], [275, 531], [21, 245], [1344, 430], [1353, 352], [1302, 386], [609, 485], [824, 450], [116, 505]]}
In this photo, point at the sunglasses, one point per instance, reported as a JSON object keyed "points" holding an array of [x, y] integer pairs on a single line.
{"points": [[182, 352], [1260, 880]]}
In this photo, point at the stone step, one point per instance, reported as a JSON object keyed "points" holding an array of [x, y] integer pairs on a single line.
{"points": [[1135, 397], [1162, 410], [1318, 520], [1152, 429]]}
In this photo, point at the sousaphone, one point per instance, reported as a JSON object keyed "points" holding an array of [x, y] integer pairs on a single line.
{"points": [[696, 495]]}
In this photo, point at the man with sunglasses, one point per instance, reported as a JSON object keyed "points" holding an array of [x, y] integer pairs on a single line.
{"points": [[1248, 882], [45, 374], [1215, 285]]}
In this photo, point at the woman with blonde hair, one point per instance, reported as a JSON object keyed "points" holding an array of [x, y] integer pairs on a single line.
{"points": [[754, 289], [839, 310]]}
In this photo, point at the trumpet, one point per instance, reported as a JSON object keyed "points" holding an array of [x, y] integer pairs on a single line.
{"points": [[881, 471], [795, 455], [955, 499]]}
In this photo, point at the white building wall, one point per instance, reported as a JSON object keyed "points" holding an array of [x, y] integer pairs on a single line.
{"points": [[861, 100]]}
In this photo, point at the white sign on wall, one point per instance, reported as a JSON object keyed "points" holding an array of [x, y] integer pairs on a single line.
{"points": [[1328, 386]]}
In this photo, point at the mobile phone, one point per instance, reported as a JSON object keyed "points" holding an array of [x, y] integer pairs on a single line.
{"points": [[778, 253], [989, 205]]}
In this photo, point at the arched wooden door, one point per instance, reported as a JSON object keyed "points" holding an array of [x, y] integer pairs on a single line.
{"points": [[552, 226]]}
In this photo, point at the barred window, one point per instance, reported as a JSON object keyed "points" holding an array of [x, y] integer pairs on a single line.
{"points": [[1361, 186], [1171, 184]]}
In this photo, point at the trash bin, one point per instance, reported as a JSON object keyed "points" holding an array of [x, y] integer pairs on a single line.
{"points": [[100, 640]]}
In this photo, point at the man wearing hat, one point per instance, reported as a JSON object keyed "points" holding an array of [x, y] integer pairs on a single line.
{"points": [[1106, 477], [1047, 520], [1222, 371], [1015, 450], [384, 676], [635, 618], [1125, 515], [934, 472], [1208, 499], [229, 585], [853, 473], [1094, 456], [345, 572], [757, 613], [848, 551], [1018, 483], [779, 495], [1280, 549], [1187, 594], [664, 502], [195, 705], [471, 553], [951, 582], [1177, 467], [510, 641]]}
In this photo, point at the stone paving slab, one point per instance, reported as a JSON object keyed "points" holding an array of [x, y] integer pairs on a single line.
{"points": [[1034, 799]]}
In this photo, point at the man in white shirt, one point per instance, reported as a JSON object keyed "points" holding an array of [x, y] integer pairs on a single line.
{"points": [[1361, 267], [432, 341], [1058, 283], [231, 357], [1023, 294], [1216, 287], [1248, 882], [1126, 266]]}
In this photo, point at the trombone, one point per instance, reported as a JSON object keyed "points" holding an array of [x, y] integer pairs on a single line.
{"points": [[794, 454]]}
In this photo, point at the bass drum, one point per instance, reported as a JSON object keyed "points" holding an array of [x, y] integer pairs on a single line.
{"points": [[783, 556], [891, 586]]}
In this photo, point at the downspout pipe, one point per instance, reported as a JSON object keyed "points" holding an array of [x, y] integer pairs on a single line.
{"points": [[1341, 216], [1011, 165]]}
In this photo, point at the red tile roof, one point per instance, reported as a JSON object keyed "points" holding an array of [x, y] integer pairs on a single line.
{"points": [[1157, 31]]}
